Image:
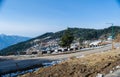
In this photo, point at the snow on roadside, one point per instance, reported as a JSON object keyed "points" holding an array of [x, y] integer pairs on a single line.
{"points": [[80, 56], [99, 75], [47, 64]]}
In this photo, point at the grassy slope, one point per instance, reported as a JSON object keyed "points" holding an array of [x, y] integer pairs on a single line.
{"points": [[88, 66]]}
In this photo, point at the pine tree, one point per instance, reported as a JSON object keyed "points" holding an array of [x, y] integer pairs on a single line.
{"points": [[67, 39]]}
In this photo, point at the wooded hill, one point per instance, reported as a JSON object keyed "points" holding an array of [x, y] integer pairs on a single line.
{"points": [[85, 33]]}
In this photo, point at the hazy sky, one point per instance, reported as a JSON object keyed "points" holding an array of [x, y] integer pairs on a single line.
{"points": [[35, 17]]}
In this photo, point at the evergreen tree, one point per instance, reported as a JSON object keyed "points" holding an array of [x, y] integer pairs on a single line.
{"points": [[67, 38]]}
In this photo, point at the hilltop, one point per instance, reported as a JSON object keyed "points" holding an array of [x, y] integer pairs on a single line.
{"points": [[86, 34]]}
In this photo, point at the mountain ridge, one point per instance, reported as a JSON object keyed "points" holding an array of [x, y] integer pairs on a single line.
{"points": [[7, 40], [86, 33]]}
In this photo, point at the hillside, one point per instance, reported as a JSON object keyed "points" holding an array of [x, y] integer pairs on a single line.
{"points": [[7, 40], [22, 46], [86, 34], [88, 66]]}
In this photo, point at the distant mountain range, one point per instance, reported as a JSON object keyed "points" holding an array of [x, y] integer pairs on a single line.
{"points": [[7, 40], [85, 33]]}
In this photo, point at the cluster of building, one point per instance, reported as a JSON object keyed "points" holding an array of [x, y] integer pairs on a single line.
{"points": [[52, 46]]}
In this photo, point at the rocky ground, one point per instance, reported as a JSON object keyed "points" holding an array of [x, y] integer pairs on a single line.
{"points": [[89, 66]]}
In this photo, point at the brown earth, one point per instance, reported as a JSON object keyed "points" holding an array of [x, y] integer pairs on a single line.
{"points": [[117, 39], [88, 66]]}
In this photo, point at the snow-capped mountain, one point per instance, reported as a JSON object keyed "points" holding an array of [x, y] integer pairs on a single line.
{"points": [[7, 40]]}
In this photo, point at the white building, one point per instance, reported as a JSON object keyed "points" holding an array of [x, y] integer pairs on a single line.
{"points": [[95, 43]]}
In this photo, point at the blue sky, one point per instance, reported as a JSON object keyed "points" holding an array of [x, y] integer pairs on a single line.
{"points": [[35, 17]]}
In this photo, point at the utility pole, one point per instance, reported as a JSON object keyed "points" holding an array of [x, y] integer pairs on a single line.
{"points": [[112, 34]]}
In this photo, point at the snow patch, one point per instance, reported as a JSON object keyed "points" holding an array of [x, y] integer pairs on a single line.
{"points": [[99, 75], [118, 67], [47, 64], [111, 71], [80, 56]]}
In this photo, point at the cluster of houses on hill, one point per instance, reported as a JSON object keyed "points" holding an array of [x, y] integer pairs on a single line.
{"points": [[52, 46]]}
